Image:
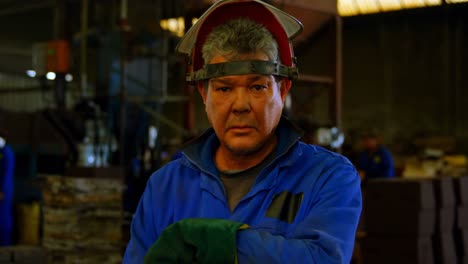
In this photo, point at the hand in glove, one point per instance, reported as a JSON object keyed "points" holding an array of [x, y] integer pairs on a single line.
{"points": [[196, 240]]}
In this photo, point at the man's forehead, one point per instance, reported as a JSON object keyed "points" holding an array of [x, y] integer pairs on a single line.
{"points": [[244, 77], [240, 56]]}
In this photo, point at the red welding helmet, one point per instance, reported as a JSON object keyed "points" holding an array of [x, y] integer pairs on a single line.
{"points": [[282, 26]]}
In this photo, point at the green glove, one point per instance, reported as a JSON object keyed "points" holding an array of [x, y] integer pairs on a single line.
{"points": [[196, 240]]}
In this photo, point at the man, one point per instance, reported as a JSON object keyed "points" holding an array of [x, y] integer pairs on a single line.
{"points": [[7, 164], [301, 203], [375, 160]]}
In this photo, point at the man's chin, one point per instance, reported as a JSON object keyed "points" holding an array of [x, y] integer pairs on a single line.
{"points": [[243, 150]]}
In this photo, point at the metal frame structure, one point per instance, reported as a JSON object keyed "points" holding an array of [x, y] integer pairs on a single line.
{"points": [[316, 15]]}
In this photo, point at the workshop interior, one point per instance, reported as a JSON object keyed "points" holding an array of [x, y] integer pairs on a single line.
{"points": [[93, 100]]}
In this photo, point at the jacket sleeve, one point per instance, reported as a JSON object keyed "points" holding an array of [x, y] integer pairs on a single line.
{"points": [[6, 183], [142, 234], [388, 166], [325, 235]]}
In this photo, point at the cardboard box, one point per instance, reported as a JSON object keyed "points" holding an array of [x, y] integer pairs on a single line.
{"points": [[399, 221], [397, 249], [417, 194], [460, 185], [461, 244], [23, 255], [444, 192], [462, 217], [445, 219], [443, 246]]}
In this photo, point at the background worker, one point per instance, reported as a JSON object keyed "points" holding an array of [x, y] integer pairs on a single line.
{"points": [[7, 164], [375, 160]]}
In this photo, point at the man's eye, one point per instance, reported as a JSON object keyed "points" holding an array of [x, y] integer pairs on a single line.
{"points": [[258, 88], [223, 89]]}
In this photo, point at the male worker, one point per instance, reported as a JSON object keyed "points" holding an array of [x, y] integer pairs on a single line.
{"points": [[7, 164], [299, 203], [375, 160]]}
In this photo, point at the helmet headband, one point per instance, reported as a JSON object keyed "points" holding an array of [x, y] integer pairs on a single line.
{"points": [[243, 67]]}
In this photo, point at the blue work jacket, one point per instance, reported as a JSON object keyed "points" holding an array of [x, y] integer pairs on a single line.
{"points": [[304, 206], [377, 164]]}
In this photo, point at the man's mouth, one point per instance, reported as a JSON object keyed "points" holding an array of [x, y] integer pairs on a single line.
{"points": [[241, 129]]}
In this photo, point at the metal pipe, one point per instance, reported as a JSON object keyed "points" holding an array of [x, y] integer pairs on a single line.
{"points": [[122, 92], [83, 50], [165, 65], [336, 91], [459, 49], [189, 90], [123, 10], [59, 33], [59, 19]]}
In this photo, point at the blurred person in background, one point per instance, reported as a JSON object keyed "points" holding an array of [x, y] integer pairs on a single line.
{"points": [[375, 160], [7, 163]]}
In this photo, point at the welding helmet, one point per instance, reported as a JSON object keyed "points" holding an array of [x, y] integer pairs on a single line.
{"points": [[281, 25]]}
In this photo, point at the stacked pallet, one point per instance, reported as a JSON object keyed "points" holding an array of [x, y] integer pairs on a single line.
{"points": [[82, 219], [22, 255], [443, 242], [416, 221], [461, 219], [399, 217]]}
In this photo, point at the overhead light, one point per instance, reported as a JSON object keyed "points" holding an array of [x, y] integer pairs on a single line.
{"points": [[433, 2], [31, 73], [360, 7], [413, 3], [369, 6], [390, 5], [50, 76], [174, 25]]}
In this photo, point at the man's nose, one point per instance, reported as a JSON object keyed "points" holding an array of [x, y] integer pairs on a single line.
{"points": [[241, 101]]}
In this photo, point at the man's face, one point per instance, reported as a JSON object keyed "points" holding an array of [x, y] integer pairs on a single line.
{"points": [[370, 143], [244, 110]]}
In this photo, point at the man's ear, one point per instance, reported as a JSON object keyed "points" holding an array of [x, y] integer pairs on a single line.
{"points": [[202, 90], [285, 86]]}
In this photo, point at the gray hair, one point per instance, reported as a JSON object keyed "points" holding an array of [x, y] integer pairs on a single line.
{"points": [[239, 37]]}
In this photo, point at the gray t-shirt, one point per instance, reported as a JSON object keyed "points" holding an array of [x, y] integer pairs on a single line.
{"points": [[238, 183]]}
